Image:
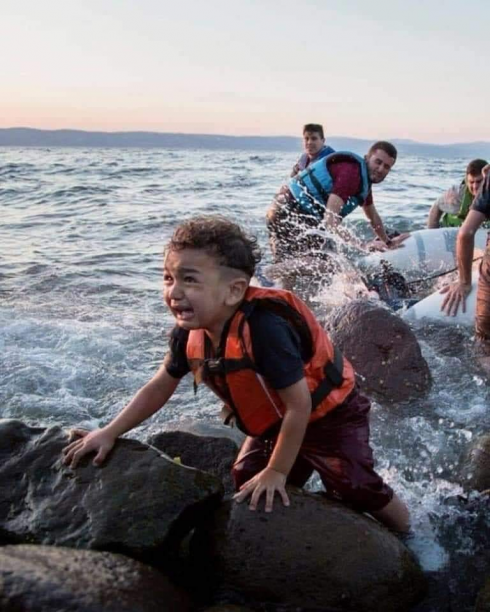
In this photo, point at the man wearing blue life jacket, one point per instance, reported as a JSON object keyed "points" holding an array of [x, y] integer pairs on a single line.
{"points": [[314, 146], [322, 195]]}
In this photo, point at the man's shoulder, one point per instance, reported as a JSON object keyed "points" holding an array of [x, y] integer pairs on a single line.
{"points": [[481, 203]]}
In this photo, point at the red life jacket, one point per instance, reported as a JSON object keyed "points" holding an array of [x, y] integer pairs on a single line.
{"points": [[234, 378]]}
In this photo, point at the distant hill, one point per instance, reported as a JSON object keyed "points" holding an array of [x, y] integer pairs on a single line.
{"points": [[29, 137]]}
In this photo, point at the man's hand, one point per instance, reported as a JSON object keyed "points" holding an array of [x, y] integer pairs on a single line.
{"points": [[86, 442], [268, 481], [456, 295], [376, 245], [396, 241], [379, 245]]}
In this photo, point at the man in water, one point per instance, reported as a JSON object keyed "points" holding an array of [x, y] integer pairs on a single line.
{"points": [[314, 146], [325, 192], [457, 292], [452, 207]]}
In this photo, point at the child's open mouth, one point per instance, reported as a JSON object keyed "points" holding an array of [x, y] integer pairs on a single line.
{"points": [[183, 314]]}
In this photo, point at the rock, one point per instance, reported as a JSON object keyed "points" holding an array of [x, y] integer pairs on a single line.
{"points": [[201, 427], [478, 464], [206, 453], [383, 350], [48, 578], [314, 554], [227, 608], [483, 599], [139, 502]]}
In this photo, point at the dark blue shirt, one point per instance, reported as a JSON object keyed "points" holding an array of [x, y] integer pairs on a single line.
{"points": [[481, 203]]}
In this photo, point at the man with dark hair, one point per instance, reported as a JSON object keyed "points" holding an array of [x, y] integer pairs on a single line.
{"points": [[451, 208], [323, 194], [314, 146], [457, 293]]}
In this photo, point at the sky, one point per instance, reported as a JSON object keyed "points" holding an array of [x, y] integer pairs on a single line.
{"points": [[363, 68]]}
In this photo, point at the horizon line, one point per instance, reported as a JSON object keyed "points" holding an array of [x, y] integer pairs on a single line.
{"points": [[135, 131]]}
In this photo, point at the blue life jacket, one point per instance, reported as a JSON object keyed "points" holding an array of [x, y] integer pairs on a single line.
{"points": [[304, 160], [312, 186]]}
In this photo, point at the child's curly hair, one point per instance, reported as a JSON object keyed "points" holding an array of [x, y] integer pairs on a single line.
{"points": [[220, 238]]}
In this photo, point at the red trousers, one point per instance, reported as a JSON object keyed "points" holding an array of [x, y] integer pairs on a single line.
{"points": [[337, 447]]}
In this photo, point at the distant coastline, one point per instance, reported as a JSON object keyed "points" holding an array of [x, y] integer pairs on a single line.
{"points": [[31, 137]]}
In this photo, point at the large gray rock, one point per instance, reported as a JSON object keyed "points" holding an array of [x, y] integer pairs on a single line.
{"points": [[314, 554], [477, 467], [201, 427], [49, 579], [207, 453], [383, 350], [139, 502]]}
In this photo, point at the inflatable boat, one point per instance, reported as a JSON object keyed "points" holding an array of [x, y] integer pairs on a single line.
{"points": [[430, 308], [424, 254]]}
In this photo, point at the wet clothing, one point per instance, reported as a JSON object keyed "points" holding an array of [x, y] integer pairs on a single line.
{"points": [[336, 445], [232, 374], [481, 204], [312, 187], [292, 229], [280, 359], [455, 204], [305, 160]]}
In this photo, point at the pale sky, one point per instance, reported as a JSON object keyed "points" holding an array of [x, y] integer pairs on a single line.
{"points": [[370, 69]]}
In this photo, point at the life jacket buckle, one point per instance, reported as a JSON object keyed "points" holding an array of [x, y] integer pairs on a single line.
{"points": [[214, 366]]}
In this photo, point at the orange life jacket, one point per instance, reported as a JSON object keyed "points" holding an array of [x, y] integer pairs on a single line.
{"points": [[256, 406]]}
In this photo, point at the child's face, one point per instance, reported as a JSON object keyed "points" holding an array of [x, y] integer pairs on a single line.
{"points": [[313, 143], [196, 290]]}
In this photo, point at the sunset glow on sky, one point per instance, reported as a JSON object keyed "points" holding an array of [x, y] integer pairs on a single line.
{"points": [[378, 69]]}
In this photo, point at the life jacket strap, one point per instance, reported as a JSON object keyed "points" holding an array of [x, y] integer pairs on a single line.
{"points": [[333, 379], [222, 367]]}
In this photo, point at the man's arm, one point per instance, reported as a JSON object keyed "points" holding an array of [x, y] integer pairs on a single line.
{"points": [[297, 401], [376, 222], [435, 215], [295, 169], [457, 292], [146, 402], [333, 221]]}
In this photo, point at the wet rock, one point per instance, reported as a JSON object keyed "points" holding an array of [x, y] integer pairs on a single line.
{"points": [[478, 464], [227, 608], [200, 427], [316, 554], [48, 578], [483, 599], [206, 453], [139, 502], [383, 350]]}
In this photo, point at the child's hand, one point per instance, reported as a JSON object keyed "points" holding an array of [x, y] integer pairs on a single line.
{"points": [[87, 442], [268, 481]]}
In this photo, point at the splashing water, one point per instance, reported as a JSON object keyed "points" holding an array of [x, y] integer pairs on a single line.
{"points": [[83, 326]]}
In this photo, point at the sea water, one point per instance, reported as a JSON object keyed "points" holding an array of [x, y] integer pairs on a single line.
{"points": [[83, 324]]}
